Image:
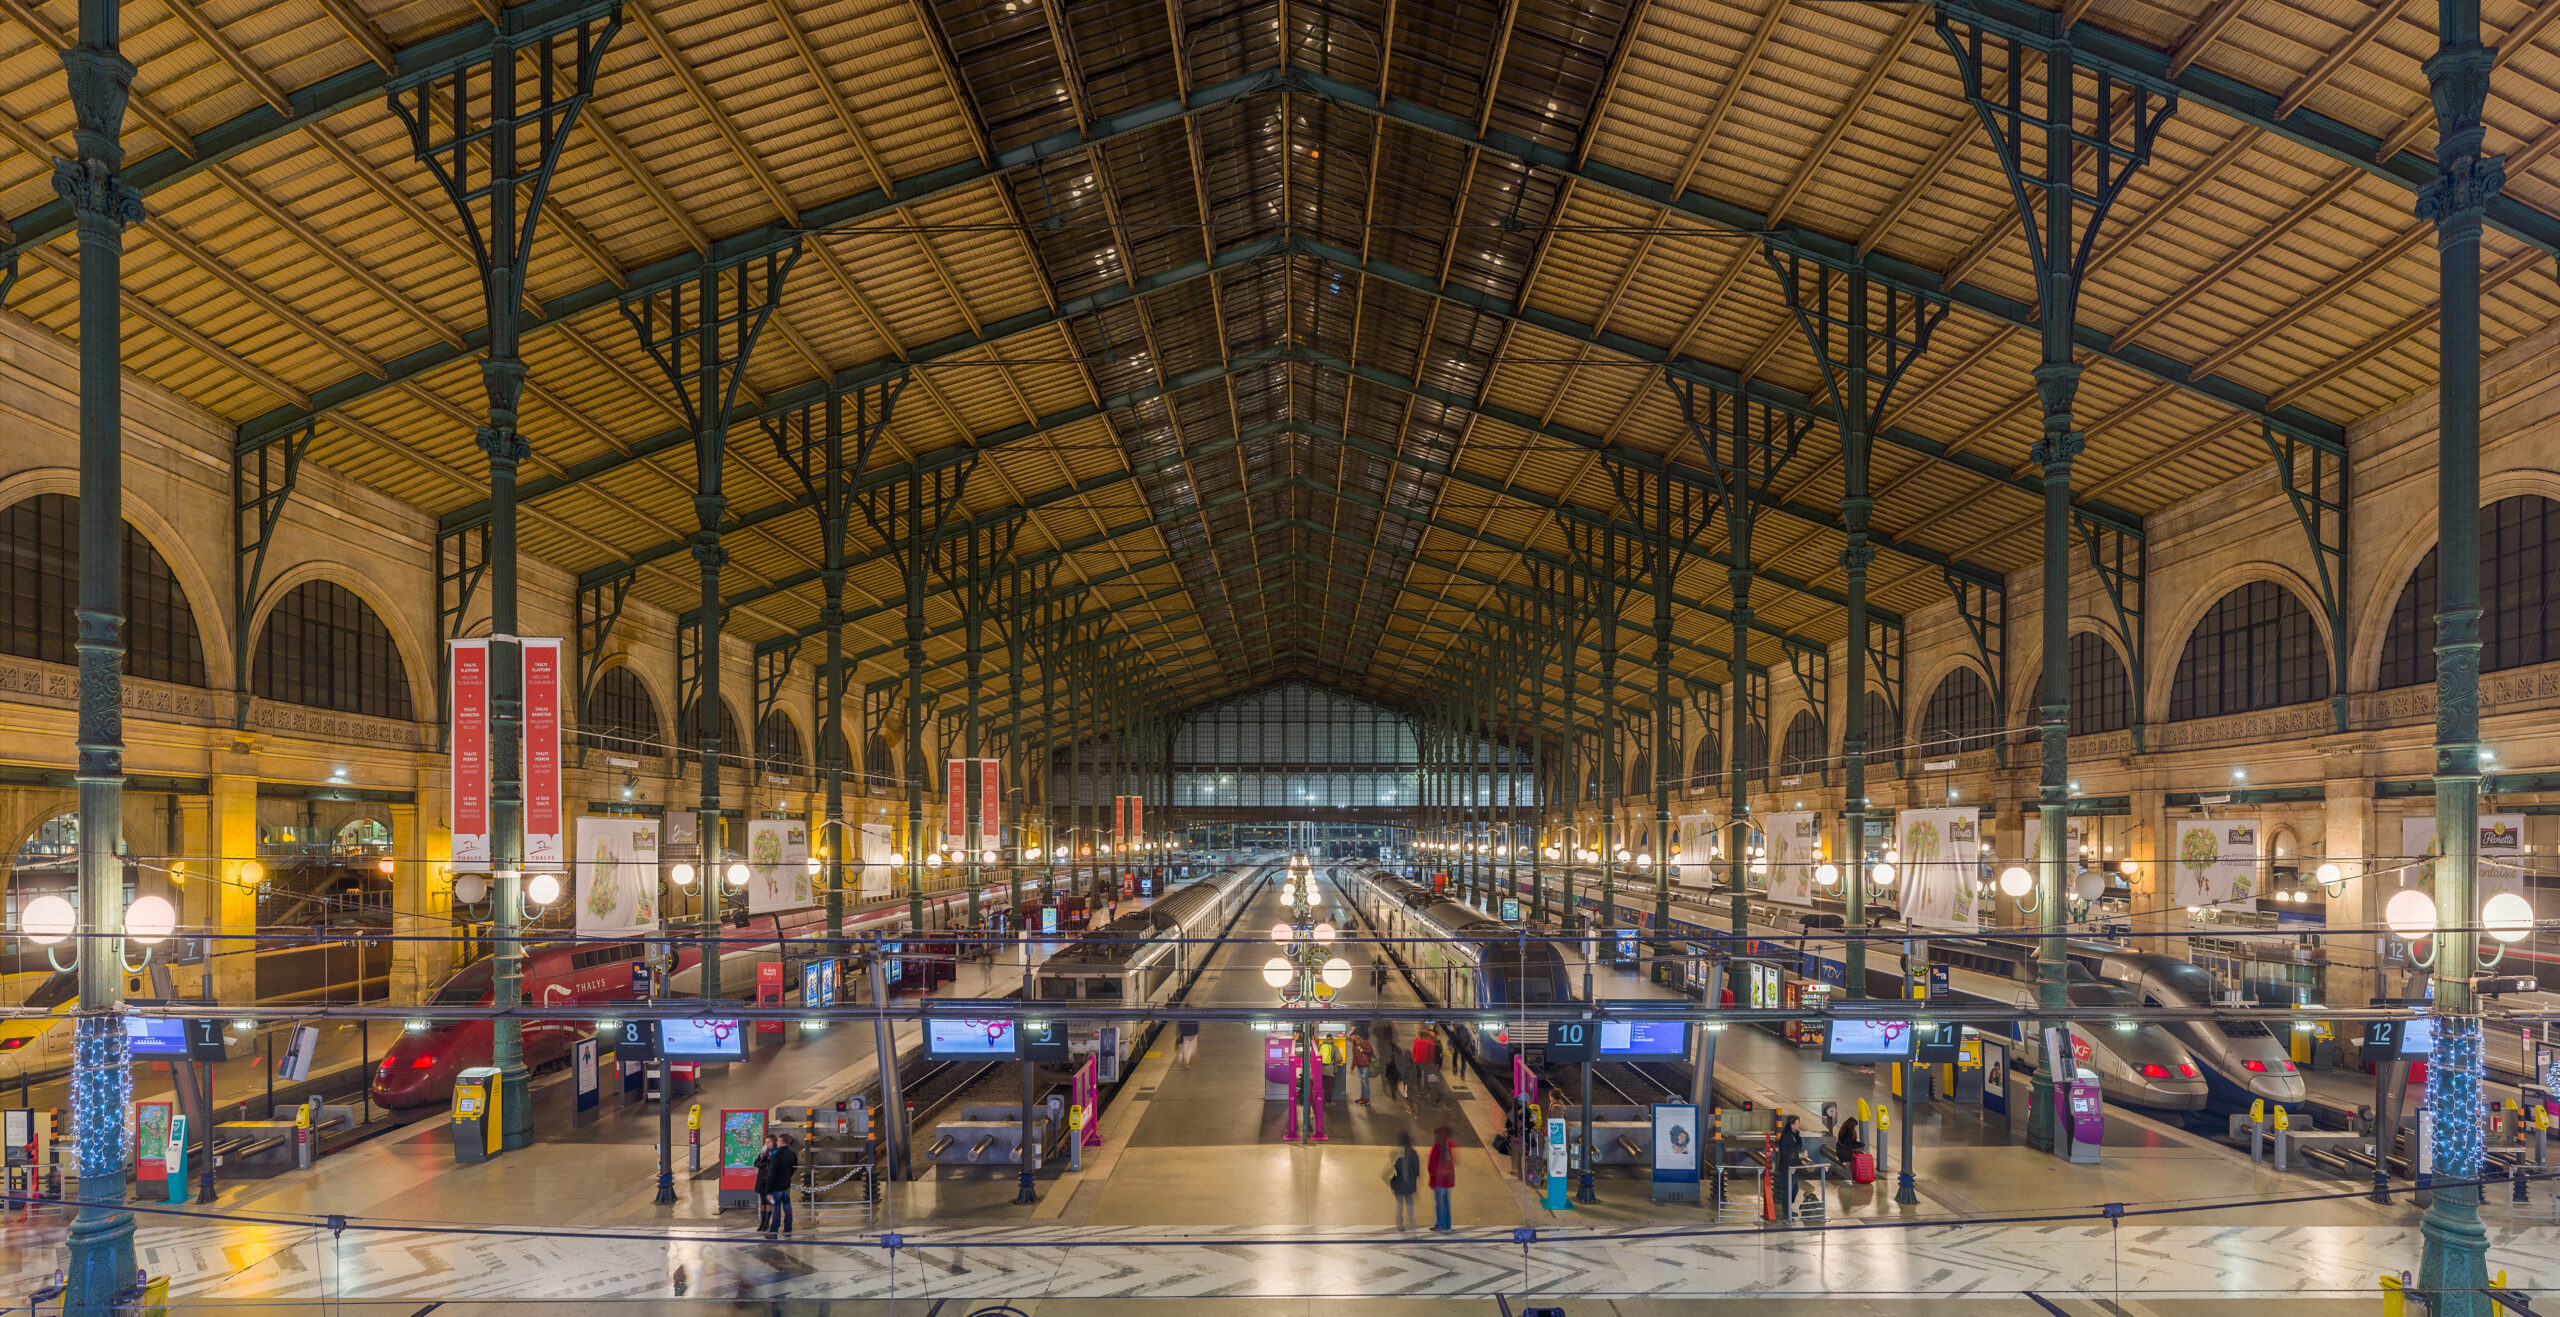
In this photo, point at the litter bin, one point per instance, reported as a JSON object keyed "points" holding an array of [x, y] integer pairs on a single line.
{"points": [[477, 1127]]}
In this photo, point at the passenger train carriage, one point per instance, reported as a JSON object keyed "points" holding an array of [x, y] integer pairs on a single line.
{"points": [[1142, 956], [419, 1070], [1461, 961]]}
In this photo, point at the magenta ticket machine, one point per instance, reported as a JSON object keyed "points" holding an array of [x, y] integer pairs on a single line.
{"points": [[1279, 1066], [2085, 1116]]}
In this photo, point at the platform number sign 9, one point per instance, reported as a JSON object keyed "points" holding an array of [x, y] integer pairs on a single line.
{"points": [[1571, 1040]]}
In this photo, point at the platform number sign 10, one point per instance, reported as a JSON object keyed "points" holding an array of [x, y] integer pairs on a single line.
{"points": [[1571, 1040]]}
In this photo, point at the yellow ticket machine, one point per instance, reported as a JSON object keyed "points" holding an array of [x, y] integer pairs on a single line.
{"points": [[477, 1127]]}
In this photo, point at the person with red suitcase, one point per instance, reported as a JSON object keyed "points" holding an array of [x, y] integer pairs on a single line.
{"points": [[1849, 1148]]}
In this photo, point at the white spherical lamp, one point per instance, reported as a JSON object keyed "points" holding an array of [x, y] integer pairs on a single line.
{"points": [[737, 875], [1337, 973], [1282, 933], [1826, 874], [470, 888], [2410, 912], [48, 919], [2090, 885], [682, 874], [1277, 972], [542, 888], [1881, 875], [2507, 916], [154, 918], [1324, 933], [2016, 882]]}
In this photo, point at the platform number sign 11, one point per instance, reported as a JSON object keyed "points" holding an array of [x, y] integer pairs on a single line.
{"points": [[1571, 1040]]}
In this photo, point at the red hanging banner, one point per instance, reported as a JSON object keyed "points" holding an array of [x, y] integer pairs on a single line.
{"points": [[990, 804], [955, 800], [545, 845], [469, 736]]}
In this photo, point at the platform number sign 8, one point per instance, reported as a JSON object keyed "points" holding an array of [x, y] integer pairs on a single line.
{"points": [[1570, 1040], [638, 1040]]}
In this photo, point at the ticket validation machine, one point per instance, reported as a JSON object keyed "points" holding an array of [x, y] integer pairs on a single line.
{"points": [[477, 1127]]}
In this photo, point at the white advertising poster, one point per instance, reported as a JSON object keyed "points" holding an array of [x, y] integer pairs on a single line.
{"points": [[617, 877], [2216, 861], [2501, 844], [875, 873], [1941, 860], [1675, 1140], [778, 876], [2074, 836], [1697, 847], [1795, 846]]}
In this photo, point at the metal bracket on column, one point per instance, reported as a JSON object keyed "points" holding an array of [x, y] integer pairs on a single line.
{"points": [[910, 515], [1706, 704], [1884, 660], [1755, 725], [688, 684], [466, 126], [2122, 563], [773, 668], [2315, 482], [1849, 320], [702, 332], [8, 279], [1985, 610], [462, 562], [1812, 669], [599, 613], [1994, 63], [878, 698], [262, 482]]}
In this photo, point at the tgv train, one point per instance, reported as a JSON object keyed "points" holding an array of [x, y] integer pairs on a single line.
{"points": [[1461, 961], [2242, 1060], [2138, 1064], [1141, 956], [418, 1071]]}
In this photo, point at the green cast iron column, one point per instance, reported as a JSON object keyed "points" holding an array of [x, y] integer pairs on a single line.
{"points": [[101, 1236], [2453, 1266]]}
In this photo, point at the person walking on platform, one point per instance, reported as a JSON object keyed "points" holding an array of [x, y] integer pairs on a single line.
{"points": [[1364, 1058], [1404, 1175], [1426, 1064], [1186, 1042], [1378, 978], [1444, 1174], [1789, 1155]]}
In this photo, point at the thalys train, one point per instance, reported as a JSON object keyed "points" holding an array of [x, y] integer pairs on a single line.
{"points": [[419, 1070]]}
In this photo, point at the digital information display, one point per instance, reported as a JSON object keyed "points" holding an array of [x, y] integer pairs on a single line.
{"points": [[1867, 1040], [968, 1040], [148, 1036], [1644, 1038], [701, 1040]]}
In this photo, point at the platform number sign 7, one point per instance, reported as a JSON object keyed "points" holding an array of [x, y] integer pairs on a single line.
{"points": [[1571, 1040]]}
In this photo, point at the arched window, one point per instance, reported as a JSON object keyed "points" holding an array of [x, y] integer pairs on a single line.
{"points": [[1801, 751], [1640, 777], [880, 762], [1958, 716], [1755, 748], [2256, 648], [2519, 596], [689, 736], [621, 716], [1708, 763], [323, 648], [40, 550], [778, 745], [1884, 731], [2101, 695]]}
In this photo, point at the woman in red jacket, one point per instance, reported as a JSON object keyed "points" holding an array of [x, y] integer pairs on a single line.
{"points": [[1444, 1174]]}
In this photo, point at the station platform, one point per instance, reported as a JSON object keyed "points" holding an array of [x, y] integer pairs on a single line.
{"points": [[1192, 1195]]}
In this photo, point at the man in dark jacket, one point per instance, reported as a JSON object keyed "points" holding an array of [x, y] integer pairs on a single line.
{"points": [[1790, 1155], [774, 1170]]}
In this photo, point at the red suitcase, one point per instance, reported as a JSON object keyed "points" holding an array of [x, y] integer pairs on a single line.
{"points": [[1862, 1167]]}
